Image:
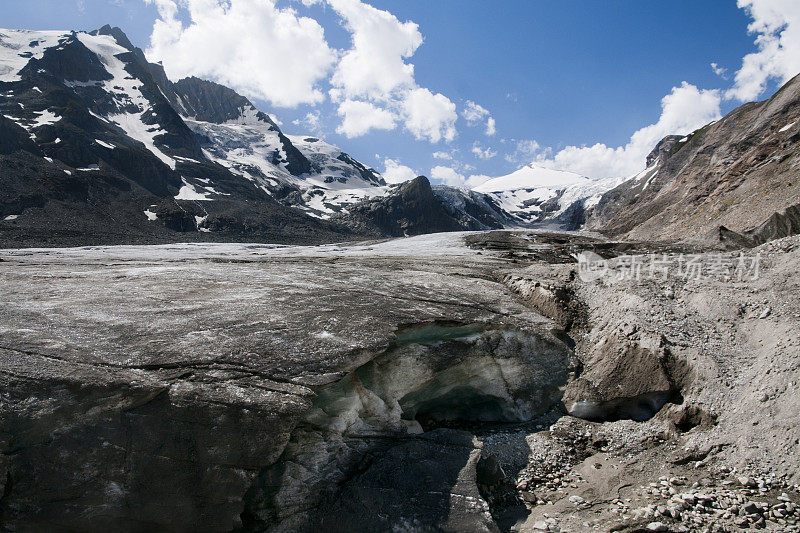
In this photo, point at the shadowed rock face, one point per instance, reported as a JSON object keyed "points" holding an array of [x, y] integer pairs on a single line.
{"points": [[432, 376], [735, 173], [626, 379], [782, 224], [448, 499]]}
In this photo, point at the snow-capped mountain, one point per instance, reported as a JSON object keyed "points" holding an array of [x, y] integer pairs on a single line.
{"points": [[535, 194], [97, 145], [299, 171]]}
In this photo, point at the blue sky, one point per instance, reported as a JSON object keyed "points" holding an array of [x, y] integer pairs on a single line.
{"points": [[551, 75]]}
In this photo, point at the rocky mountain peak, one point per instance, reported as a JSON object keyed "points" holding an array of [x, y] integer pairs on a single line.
{"points": [[662, 149], [117, 34], [212, 102]]}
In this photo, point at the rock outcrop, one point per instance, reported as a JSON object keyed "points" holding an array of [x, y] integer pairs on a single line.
{"points": [[413, 208]]}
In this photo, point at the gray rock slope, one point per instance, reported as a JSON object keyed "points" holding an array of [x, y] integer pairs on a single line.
{"points": [[415, 208], [729, 177]]}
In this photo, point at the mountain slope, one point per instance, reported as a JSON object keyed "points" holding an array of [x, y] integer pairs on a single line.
{"points": [[299, 171], [98, 146], [724, 179]]}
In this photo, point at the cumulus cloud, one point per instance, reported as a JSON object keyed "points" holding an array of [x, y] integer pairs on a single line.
{"points": [[428, 115], [394, 172], [450, 176], [442, 155], [776, 25], [447, 176], [483, 153], [375, 72], [375, 65], [253, 46], [361, 117], [684, 110]]}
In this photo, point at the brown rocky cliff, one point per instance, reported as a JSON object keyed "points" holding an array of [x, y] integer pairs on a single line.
{"points": [[735, 173]]}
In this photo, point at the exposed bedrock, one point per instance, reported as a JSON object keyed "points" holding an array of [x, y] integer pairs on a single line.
{"points": [[373, 436]]}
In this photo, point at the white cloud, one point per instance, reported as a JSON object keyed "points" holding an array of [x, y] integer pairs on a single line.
{"points": [[375, 64], [483, 153], [719, 71], [449, 176], [776, 24], [491, 127], [394, 172], [375, 71], [442, 155], [361, 117], [477, 179], [525, 151], [252, 46], [474, 113], [684, 110], [428, 115], [311, 122]]}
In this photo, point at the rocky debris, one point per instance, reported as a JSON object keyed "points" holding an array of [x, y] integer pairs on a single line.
{"points": [[626, 376], [552, 299], [780, 224], [717, 507]]}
